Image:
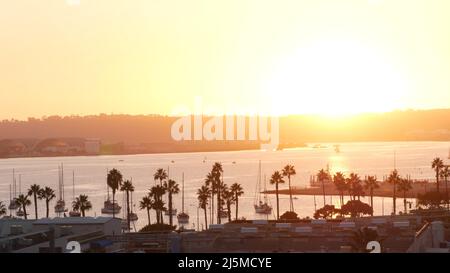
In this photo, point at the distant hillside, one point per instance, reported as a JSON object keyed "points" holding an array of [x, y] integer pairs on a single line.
{"points": [[151, 130]]}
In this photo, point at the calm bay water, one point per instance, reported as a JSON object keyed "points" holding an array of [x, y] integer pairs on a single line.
{"points": [[375, 158]]}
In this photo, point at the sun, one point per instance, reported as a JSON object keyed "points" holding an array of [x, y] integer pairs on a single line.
{"points": [[334, 78]]}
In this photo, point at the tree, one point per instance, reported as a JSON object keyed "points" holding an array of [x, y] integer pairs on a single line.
{"points": [[23, 201], [371, 184], [47, 194], [289, 215], [326, 212], [277, 179], [393, 179], [160, 175], [323, 176], [341, 186], [127, 187], [228, 198], [437, 164], [431, 200], [202, 195], [2, 209], [445, 174], [355, 187], [217, 171], [114, 181], [157, 192], [355, 208], [34, 191], [147, 204], [171, 188], [210, 183], [289, 171], [404, 186], [237, 191], [82, 204]]}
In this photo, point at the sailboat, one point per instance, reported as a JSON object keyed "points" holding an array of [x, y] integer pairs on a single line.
{"points": [[261, 205], [108, 206], [13, 194], [74, 213], [133, 216], [183, 217], [60, 204]]}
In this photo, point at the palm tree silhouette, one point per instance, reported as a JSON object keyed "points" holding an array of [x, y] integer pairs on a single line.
{"points": [[147, 204], [217, 171], [404, 186], [393, 179], [371, 184], [160, 175], [289, 171], [82, 204], [23, 201], [228, 198], [437, 164], [127, 187], [157, 192], [114, 181], [34, 190], [237, 191], [277, 179], [171, 188], [47, 194], [322, 176], [341, 186], [203, 195], [210, 183]]}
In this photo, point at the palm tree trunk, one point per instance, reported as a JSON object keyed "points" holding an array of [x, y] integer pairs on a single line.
{"points": [[212, 206], [114, 208], [237, 206], [148, 216], [437, 179], [83, 212], [371, 199], [394, 199], [278, 202], [35, 206], [206, 218], [323, 191], [404, 202], [170, 209], [218, 205], [25, 211], [47, 206], [128, 211], [229, 211]]}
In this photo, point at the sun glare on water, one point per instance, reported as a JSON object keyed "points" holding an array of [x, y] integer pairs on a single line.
{"points": [[334, 79]]}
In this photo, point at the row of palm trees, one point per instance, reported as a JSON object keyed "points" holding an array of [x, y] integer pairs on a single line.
{"points": [[81, 203], [214, 186]]}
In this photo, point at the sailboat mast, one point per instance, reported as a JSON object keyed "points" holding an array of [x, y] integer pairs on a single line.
{"points": [[73, 185], [62, 180], [182, 193]]}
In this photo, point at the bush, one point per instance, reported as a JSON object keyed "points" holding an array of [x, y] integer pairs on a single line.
{"points": [[289, 215], [326, 212], [355, 208], [157, 227], [431, 200]]}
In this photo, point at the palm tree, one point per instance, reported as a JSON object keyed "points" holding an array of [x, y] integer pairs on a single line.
{"points": [[127, 187], [371, 184], [114, 181], [147, 204], [157, 192], [217, 171], [445, 174], [277, 179], [160, 175], [404, 186], [237, 191], [228, 198], [341, 186], [171, 188], [393, 179], [23, 201], [289, 171], [34, 190], [437, 164], [47, 194], [81, 204], [210, 183], [202, 195], [323, 175], [2, 209]]}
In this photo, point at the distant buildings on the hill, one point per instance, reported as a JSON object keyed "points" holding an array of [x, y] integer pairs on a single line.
{"points": [[49, 147]]}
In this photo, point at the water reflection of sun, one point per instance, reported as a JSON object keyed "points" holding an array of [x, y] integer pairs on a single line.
{"points": [[337, 163]]}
